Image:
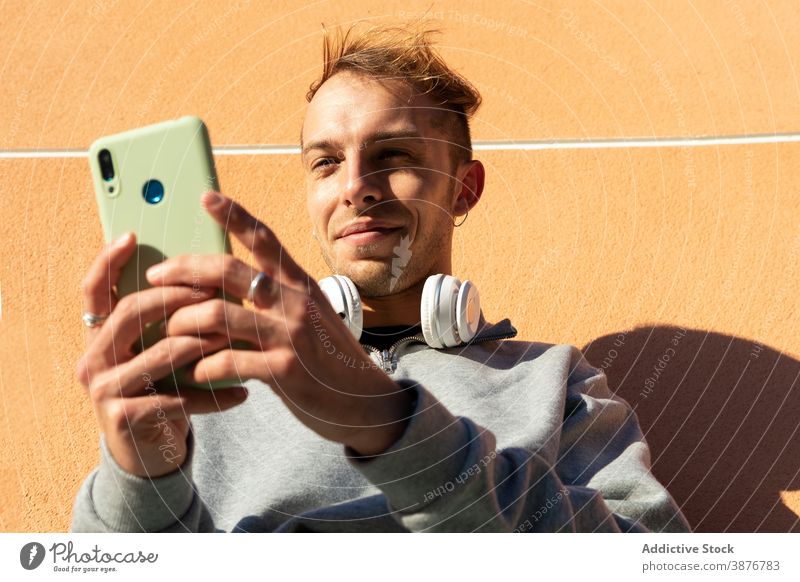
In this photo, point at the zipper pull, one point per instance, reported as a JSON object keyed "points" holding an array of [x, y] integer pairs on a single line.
{"points": [[386, 361]]}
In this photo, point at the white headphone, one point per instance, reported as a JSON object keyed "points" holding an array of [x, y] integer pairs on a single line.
{"points": [[449, 312]]}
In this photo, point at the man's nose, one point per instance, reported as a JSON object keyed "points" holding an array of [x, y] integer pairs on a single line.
{"points": [[362, 182]]}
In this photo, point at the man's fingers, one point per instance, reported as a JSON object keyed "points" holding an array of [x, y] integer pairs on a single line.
{"points": [[240, 364], [98, 283], [218, 316], [125, 326], [269, 254], [135, 311], [200, 401], [224, 272], [141, 373], [157, 407]]}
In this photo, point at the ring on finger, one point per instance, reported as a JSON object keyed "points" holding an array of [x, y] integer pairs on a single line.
{"points": [[92, 319], [251, 292]]}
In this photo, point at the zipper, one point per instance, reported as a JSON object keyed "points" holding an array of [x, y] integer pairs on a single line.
{"points": [[388, 356]]}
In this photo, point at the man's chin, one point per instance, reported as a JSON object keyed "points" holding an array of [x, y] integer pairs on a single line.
{"points": [[373, 278], [373, 283], [372, 275]]}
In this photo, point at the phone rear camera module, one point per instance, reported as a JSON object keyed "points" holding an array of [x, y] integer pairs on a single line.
{"points": [[153, 191], [106, 165]]}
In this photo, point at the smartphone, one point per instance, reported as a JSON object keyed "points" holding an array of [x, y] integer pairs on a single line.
{"points": [[149, 181]]}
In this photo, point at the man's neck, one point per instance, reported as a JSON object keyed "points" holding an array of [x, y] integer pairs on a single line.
{"points": [[397, 309]]}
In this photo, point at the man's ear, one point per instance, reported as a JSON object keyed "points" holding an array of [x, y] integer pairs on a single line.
{"points": [[469, 187]]}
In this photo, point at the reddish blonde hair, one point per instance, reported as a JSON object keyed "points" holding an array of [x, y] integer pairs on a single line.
{"points": [[406, 54]]}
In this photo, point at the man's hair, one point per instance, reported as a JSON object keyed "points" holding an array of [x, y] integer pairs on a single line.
{"points": [[406, 54]]}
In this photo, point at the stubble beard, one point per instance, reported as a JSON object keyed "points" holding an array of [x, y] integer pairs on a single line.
{"points": [[374, 276]]}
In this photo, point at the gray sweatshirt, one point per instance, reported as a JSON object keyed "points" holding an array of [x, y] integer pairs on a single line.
{"points": [[506, 436]]}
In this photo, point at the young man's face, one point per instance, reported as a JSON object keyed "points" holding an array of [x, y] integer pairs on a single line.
{"points": [[370, 152]]}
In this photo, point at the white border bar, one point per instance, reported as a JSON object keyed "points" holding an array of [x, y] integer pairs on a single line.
{"points": [[400, 558]]}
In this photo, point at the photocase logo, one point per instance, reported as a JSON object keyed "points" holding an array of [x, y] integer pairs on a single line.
{"points": [[31, 555], [402, 254]]}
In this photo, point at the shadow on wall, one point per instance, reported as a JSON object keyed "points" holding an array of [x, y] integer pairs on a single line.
{"points": [[722, 417]]}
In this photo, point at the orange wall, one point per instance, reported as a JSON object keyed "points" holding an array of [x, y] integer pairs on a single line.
{"points": [[613, 250]]}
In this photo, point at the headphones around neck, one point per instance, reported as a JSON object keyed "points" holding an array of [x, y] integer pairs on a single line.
{"points": [[449, 312]]}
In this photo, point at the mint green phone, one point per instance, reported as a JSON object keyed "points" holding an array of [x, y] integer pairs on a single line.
{"points": [[149, 181]]}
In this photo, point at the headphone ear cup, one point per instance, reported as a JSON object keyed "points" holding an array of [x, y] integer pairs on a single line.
{"points": [[345, 300], [438, 311], [468, 311], [446, 311], [356, 324], [427, 312]]}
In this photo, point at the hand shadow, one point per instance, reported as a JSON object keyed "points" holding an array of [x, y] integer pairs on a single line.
{"points": [[722, 417]]}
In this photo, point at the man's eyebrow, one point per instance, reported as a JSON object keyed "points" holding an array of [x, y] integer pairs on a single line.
{"points": [[396, 134], [321, 144], [385, 135]]}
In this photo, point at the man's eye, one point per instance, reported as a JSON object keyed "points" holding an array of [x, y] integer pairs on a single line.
{"points": [[323, 163]]}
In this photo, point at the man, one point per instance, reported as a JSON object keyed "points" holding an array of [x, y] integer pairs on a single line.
{"points": [[491, 435]]}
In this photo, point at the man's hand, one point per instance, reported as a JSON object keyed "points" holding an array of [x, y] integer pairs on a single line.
{"points": [[145, 429], [301, 347]]}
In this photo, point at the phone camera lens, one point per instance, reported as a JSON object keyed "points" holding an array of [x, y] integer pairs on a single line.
{"points": [[153, 191], [106, 165]]}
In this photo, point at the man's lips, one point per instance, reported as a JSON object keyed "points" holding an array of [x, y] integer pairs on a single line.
{"points": [[366, 236], [374, 226]]}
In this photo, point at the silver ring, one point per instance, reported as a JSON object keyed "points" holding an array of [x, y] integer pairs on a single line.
{"points": [[251, 293], [92, 319]]}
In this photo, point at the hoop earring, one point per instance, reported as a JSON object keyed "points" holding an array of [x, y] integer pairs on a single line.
{"points": [[462, 222]]}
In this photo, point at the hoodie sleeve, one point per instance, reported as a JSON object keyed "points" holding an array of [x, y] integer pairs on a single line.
{"points": [[113, 500], [445, 472]]}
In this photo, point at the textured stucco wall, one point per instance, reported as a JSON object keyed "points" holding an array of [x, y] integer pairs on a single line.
{"points": [[613, 250]]}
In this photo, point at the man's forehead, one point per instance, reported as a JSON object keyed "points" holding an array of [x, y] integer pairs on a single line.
{"points": [[351, 106]]}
